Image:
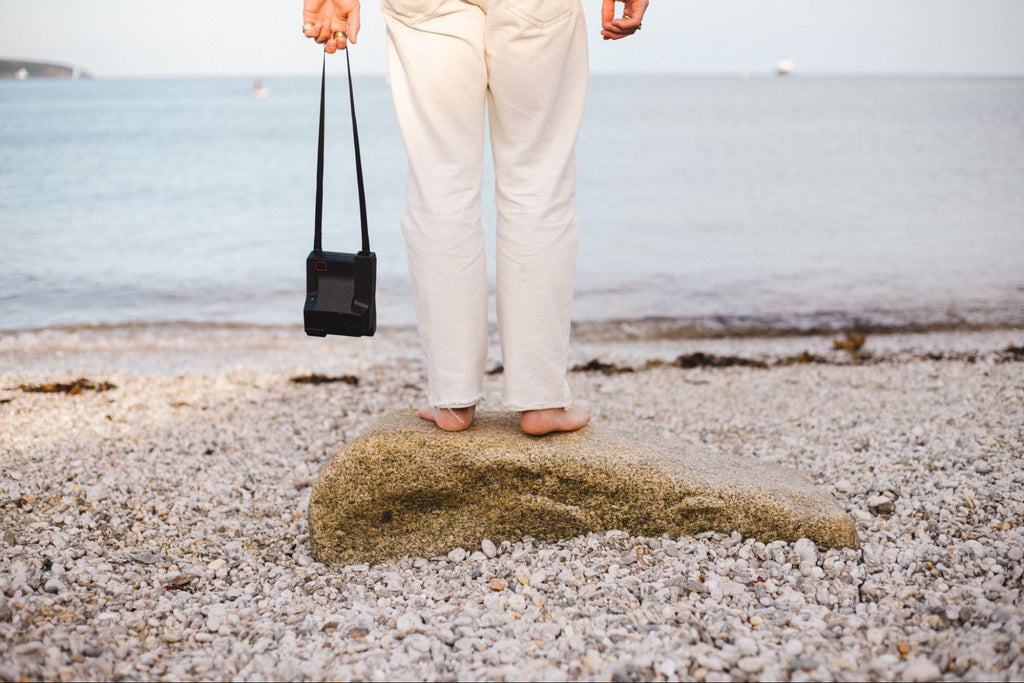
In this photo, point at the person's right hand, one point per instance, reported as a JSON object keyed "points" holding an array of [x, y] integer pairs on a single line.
{"points": [[327, 18]]}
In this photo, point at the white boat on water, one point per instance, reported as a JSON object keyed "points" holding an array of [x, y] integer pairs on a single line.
{"points": [[21, 74], [784, 66]]}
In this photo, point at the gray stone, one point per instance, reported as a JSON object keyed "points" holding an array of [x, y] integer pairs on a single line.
{"points": [[408, 488], [880, 505], [146, 557]]}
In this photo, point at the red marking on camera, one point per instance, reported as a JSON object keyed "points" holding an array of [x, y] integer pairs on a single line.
{"points": [[320, 266]]}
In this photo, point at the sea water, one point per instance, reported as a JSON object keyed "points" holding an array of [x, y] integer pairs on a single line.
{"points": [[705, 202]]}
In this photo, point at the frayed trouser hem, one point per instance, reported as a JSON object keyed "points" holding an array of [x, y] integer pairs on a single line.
{"points": [[536, 406], [455, 405]]}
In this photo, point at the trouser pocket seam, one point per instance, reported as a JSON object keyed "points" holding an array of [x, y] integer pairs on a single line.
{"points": [[409, 18], [520, 9]]}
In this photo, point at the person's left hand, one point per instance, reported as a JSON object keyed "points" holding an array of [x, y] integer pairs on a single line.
{"points": [[329, 17], [628, 24]]}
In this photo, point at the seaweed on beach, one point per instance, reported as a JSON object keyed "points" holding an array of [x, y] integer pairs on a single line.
{"points": [[850, 342], [71, 388], [594, 365], [710, 360], [963, 356], [806, 358], [351, 380], [686, 361], [1011, 353]]}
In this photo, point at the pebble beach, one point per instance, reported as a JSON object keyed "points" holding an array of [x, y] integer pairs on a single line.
{"points": [[154, 515]]}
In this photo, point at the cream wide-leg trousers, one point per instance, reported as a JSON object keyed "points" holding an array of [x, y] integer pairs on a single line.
{"points": [[526, 61]]}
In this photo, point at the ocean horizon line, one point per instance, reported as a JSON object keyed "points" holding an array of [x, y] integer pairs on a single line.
{"points": [[760, 73]]}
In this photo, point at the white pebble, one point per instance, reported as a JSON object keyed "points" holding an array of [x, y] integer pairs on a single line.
{"points": [[410, 621], [746, 646], [751, 665], [806, 551], [793, 648], [921, 669]]}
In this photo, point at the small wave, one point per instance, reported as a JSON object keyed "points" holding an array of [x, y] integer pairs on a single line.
{"points": [[785, 325]]}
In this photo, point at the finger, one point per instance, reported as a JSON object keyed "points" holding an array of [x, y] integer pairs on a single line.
{"points": [[353, 25], [616, 34], [310, 16], [339, 38], [632, 15], [323, 32], [614, 31], [607, 12], [638, 8], [311, 11], [616, 26]]}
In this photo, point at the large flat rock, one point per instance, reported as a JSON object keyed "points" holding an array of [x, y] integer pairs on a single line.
{"points": [[408, 488]]}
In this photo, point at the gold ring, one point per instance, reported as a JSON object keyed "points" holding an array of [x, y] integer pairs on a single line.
{"points": [[338, 35], [306, 27], [626, 16]]}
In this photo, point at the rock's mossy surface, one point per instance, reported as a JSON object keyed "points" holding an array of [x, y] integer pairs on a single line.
{"points": [[408, 488]]}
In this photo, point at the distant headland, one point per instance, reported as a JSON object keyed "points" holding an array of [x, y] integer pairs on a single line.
{"points": [[20, 69]]}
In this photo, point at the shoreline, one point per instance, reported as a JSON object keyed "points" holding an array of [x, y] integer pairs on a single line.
{"points": [[198, 348], [615, 329]]}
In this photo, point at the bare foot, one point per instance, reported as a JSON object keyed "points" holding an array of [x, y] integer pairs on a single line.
{"points": [[540, 422], [449, 419]]}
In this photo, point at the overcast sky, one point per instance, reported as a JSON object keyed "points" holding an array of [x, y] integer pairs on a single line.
{"points": [[263, 37]]}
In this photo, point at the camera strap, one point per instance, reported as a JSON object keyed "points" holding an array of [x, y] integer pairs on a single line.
{"points": [[317, 241]]}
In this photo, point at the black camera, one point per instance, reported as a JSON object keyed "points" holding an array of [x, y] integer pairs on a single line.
{"points": [[340, 291]]}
